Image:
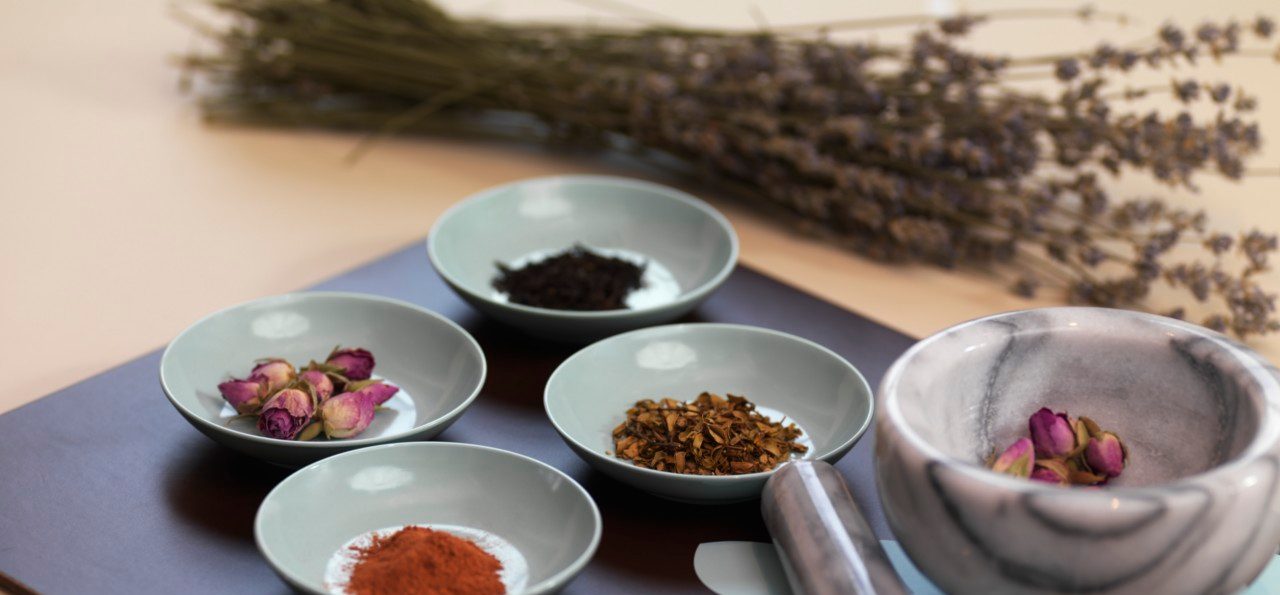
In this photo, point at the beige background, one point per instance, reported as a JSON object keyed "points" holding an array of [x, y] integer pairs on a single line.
{"points": [[125, 218]]}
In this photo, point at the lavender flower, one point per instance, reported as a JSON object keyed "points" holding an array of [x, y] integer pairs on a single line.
{"points": [[1264, 27], [1067, 69]]}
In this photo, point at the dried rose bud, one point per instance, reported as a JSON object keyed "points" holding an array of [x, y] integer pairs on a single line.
{"points": [[244, 395], [347, 414], [1081, 476], [1091, 426], [354, 362], [1017, 460], [273, 374], [1081, 430], [286, 413], [319, 382], [1052, 434], [1052, 471], [310, 432], [377, 391], [1105, 455]]}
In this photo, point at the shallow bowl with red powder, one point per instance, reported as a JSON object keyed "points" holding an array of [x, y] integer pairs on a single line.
{"points": [[539, 521]]}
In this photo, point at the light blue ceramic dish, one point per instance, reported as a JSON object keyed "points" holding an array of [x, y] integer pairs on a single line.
{"points": [[784, 375], [437, 365], [538, 521], [690, 248]]}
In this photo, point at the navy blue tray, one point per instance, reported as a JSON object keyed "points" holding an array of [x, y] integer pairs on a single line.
{"points": [[104, 488]]}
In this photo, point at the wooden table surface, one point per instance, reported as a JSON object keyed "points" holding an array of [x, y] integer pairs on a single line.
{"points": [[125, 218]]}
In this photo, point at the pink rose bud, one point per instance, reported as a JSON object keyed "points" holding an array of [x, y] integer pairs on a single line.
{"points": [[1052, 434], [379, 392], [354, 363], [244, 395], [319, 382], [274, 374], [1017, 460], [285, 414], [1051, 471], [1081, 430], [347, 414], [1105, 455]]}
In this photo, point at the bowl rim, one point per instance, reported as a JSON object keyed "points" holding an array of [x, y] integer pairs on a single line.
{"points": [[666, 192], [891, 413], [345, 443], [828, 455], [546, 585]]}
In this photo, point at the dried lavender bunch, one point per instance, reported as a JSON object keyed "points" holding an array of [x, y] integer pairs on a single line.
{"points": [[923, 152]]}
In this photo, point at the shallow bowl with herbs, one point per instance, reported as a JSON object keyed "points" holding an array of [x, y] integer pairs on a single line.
{"points": [[536, 520], [1196, 509], [436, 365], [807, 395], [681, 248]]}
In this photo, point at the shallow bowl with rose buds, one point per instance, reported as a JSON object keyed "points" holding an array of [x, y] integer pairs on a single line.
{"points": [[437, 365]]}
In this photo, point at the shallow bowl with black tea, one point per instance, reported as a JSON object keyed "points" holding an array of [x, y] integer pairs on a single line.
{"points": [[686, 247], [436, 364], [788, 378], [1197, 509]]}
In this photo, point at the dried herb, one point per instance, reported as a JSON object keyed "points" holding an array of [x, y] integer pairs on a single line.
{"points": [[576, 279], [711, 435], [927, 151], [337, 396], [1063, 451]]}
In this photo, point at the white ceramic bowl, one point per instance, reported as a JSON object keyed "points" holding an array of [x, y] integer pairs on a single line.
{"points": [[541, 514], [1195, 511], [589, 394], [437, 365], [690, 248]]}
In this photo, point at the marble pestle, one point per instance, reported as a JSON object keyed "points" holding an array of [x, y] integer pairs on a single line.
{"points": [[824, 542]]}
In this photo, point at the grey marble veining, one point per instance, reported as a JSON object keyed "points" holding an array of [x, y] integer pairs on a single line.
{"points": [[1196, 510], [823, 540]]}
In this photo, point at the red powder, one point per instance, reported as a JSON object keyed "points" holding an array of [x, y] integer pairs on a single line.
{"points": [[421, 560]]}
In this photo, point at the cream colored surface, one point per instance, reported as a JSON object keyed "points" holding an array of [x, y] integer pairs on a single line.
{"points": [[125, 218]]}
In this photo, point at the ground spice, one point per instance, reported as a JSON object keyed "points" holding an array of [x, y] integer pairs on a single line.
{"points": [[576, 279], [711, 435], [418, 560]]}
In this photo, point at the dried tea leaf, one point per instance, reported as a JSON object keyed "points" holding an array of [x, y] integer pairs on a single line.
{"points": [[711, 435]]}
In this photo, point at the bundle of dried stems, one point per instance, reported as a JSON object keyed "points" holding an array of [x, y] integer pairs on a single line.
{"points": [[920, 152]]}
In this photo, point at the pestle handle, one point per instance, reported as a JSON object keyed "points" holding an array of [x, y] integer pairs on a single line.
{"points": [[825, 543]]}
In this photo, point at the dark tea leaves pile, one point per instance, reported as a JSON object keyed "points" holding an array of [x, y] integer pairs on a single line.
{"points": [[576, 279]]}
